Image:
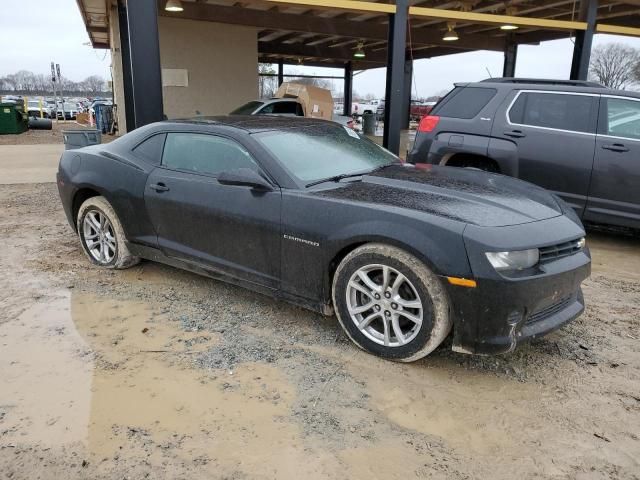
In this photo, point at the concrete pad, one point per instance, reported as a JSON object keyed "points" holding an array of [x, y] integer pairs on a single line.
{"points": [[29, 163]]}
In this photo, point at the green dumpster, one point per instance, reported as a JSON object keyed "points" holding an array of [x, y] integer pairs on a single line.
{"points": [[12, 118]]}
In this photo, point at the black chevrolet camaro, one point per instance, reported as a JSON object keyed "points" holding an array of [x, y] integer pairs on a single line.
{"points": [[314, 213]]}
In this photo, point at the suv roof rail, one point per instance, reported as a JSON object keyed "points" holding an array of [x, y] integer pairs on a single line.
{"points": [[544, 81]]}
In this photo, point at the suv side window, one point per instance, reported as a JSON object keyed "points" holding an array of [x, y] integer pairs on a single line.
{"points": [[622, 118], [466, 103], [561, 111], [203, 153], [151, 149]]}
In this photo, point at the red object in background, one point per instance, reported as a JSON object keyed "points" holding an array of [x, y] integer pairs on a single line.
{"points": [[428, 123], [420, 110]]}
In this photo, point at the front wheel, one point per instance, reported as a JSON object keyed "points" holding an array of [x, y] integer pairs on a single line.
{"points": [[390, 304], [101, 235]]}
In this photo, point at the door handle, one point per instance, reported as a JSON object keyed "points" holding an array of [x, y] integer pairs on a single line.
{"points": [[515, 133], [159, 187], [615, 147]]}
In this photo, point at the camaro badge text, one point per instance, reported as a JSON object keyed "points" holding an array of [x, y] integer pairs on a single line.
{"points": [[301, 240]]}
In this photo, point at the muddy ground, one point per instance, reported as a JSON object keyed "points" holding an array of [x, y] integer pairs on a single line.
{"points": [[157, 373], [41, 137]]}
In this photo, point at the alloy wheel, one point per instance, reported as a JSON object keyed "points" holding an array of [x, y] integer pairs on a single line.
{"points": [[384, 305], [99, 236]]}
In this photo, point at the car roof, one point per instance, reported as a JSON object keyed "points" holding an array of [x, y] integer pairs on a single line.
{"points": [[570, 86], [252, 123]]}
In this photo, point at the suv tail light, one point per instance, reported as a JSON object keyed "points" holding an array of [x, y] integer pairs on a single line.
{"points": [[428, 123]]}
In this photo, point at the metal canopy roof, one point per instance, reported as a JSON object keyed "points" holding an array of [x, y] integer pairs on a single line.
{"points": [[327, 32]]}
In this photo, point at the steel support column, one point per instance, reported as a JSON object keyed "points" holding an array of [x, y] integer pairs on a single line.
{"points": [[394, 93], [280, 72], [144, 62], [126, 69], [584, 39], [510, 56], [406, 94], [348, 88]]}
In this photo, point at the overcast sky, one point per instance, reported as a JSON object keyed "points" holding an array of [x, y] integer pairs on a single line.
{"points": [[63, 39]]}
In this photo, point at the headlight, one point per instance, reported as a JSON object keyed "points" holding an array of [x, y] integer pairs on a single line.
{"points": [[517, 260]]}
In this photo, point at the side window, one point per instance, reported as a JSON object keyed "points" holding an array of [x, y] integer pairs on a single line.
{"points": [[555, 110], [202, 153], [299, 110], [465, 102], [623, 118], [266, 110], [151, 149], [288, 108]]}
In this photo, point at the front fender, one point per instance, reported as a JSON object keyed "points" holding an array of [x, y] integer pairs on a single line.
{"points": [[441, 250]]}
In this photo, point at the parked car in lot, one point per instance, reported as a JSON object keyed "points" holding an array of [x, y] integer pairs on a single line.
{"points": [[360, 108], [272, 106], [401, 254], [36, 107], [66, 111], [420, 109], [577, 139], [284, 106]]}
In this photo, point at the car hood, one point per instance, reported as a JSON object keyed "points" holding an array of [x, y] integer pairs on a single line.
{"points": [[469, 196]]}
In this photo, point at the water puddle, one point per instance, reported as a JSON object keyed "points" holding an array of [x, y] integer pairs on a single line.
{"points": [[116, 376]]}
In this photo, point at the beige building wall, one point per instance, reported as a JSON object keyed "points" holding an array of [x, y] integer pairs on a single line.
{"points": [[221, 63], [116, 69]]}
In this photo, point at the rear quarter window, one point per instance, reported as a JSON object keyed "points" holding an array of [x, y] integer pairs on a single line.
{"points": [[151, 149], [465, 102]]}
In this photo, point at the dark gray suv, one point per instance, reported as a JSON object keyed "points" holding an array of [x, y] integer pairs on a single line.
{"points": [[577, 139]]}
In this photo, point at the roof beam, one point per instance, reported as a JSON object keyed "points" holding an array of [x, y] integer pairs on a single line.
{"points": [[352, 5], [270, 20], [375, 58], [491, 19], [341, 54], [617, 30]]}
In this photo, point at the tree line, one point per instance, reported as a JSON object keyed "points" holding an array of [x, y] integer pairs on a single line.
{"points": [[615, 65], [25, 82]]}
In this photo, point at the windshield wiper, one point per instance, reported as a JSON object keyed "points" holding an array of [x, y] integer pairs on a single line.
{"points": [[342, 176]]}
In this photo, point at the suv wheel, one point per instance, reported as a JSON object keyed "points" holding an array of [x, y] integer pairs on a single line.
{"points": [[390, 304]]}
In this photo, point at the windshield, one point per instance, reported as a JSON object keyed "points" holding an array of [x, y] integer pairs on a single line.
{"points": [[248, 108], [324, 151]]}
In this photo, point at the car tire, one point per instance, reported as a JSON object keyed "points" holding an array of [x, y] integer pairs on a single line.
{"points": [[101, 235], [389, 328]]}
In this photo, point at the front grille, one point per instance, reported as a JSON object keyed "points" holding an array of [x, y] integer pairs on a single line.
{"points": [[560, 250], [546, 312]]}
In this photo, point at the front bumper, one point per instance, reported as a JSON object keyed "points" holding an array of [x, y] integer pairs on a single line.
{"points": [[505, 310], [496, 316]]}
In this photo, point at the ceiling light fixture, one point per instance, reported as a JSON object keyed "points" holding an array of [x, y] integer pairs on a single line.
{"points": [[511, 12], [359, 53], [451, 35], [173, 6]]}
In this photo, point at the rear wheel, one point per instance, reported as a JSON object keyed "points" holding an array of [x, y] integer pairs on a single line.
{"points": [[390, 304], [101, 235]]}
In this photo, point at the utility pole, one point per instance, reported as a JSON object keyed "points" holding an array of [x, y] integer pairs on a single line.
{"points": [[64, 117], [55, 94]]}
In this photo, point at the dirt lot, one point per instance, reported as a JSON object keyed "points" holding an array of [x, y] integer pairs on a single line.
{"points": [[153, 372], [39, 137]]}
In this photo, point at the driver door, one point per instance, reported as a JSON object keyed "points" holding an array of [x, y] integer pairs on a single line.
{"points": [[232, 229]]}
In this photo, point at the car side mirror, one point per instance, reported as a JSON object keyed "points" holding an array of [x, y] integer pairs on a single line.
{"points": [[244, 177]]}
